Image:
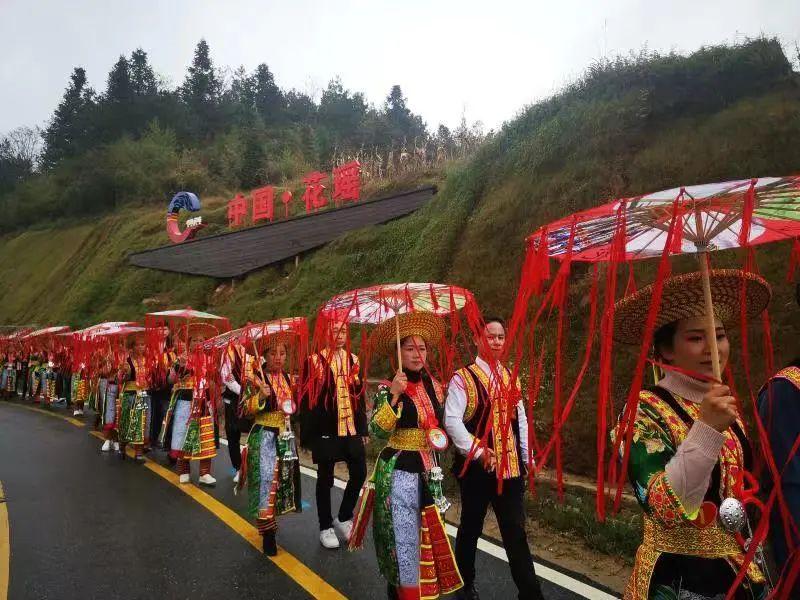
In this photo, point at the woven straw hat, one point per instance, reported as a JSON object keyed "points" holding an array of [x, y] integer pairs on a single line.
{"points": [[280, 337], [682, 297], [207, 330], [424, 324]]}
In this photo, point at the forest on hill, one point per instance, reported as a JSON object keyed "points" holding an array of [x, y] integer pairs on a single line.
{"points": [[140, 140]]}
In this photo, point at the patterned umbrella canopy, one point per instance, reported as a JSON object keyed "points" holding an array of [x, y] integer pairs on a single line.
{"points": [[109, 328], [186, 313], [378, 303], [708, 217], [46, 331], [255, 331]]}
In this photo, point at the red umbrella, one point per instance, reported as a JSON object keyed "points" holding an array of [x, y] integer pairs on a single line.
{"points": [[688, 220], [256, 331], [375, 304], [47, 331], [174, 321]]}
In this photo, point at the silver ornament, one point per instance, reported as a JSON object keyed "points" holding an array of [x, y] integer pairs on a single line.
{"points": [[732, 516]]}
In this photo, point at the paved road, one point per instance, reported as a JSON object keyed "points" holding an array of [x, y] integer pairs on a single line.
{"points": [[87, 525]]}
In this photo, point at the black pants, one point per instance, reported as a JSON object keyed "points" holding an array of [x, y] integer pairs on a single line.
{"points": [[234, 435], [351, 451], [478, 490], [159, 403]]}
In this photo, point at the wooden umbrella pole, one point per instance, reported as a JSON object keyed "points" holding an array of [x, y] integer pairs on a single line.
{"points": [[257, 358], [397, 330], [701, 243], [711, 325]]}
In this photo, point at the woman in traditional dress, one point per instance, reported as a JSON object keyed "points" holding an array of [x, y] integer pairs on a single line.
{"points": [[80, 390], [190, 415], [9, 378], [108, 401], [414, 552], [689, 449], [134, 411], [272, 472]]}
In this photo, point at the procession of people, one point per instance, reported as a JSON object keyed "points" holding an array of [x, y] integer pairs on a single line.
{"points": [[418, 371]]}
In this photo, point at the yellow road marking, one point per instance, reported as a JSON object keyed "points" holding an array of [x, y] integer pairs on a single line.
{"points": [[42, 411], [288, 563], [5, 546]]}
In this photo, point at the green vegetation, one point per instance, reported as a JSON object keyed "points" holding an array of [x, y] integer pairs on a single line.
{"points": [[631, 126], [141, 141]]}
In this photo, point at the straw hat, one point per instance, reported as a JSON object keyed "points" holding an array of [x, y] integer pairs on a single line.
{"points": [[682, 297], [271, 341], [424, 324], [134, 336], [207, 330]]}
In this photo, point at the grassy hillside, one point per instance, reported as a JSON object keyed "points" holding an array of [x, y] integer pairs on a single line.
{"points": [[632, 126]]}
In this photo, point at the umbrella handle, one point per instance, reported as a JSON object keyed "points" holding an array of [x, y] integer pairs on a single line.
{"points": [[397, 331], [711, 326], [257, 358]]}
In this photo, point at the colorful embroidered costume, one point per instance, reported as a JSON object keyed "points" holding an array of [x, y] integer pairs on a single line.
{"points": [[134, 406], [677, 545], [272, 471], [410, 540]]}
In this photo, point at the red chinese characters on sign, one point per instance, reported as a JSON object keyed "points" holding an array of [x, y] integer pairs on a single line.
{"points": [[286, 198], [237, 211], [314, 196], [347, 182], [346, 186], [263, 204]]}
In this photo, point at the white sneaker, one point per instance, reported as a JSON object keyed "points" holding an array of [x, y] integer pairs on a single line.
{"points": [[328, 539], [236, 477], [77, 413], [208, 480], [106, 446], [184, 478], [344, 529], [116, 446]]}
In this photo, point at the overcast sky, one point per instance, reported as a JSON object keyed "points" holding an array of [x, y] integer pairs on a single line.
{"points": [[487, 59]]}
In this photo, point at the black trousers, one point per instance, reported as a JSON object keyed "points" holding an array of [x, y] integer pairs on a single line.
{"points": [[478, 491], [159, 403], [351, 451], [234, 434]]}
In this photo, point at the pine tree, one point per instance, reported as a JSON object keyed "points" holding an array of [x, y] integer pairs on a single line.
{"points": [[201, 91], [143, 80], [252, 173], [241, 90], [67, 133], [300, 108], [119, 88], [341, 114], [269, 99], [403, 124]]}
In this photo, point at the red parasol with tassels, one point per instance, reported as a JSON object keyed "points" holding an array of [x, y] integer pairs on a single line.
{"points": [[375, 304], [176, 324], [695, 220], [250, 337]]}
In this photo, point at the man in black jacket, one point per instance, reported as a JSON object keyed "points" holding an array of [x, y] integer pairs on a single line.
{"points": [[334, 428]]}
